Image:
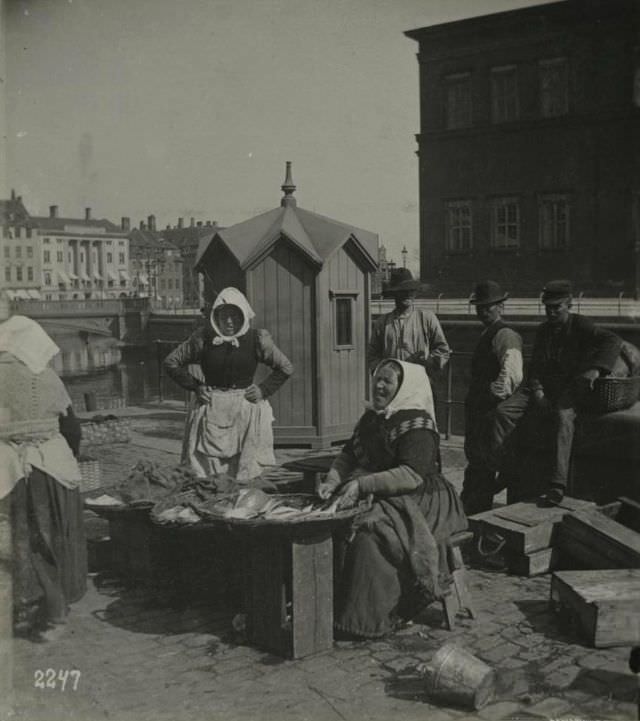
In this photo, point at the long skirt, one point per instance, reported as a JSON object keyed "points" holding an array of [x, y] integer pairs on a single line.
{"points": [[375, 586], [49, 549]]}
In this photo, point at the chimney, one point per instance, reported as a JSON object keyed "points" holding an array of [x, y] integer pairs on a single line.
{"points": [[151, 222], [168, 226], [142, 226], [199, 224], [53, 211], [288, 201], [125, 223], [13, 194], [180, 222], [87, 213], [193, 222], [208, 223]]}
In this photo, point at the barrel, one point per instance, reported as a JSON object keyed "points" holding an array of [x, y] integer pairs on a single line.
{"points": [[456, 677]]}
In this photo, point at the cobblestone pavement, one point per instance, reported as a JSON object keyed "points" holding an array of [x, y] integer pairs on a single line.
{"points": [[145, 655]]}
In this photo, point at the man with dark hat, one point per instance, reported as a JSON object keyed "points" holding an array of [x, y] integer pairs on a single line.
{"points": [[407, 333], [569, 353], [496, 372]]}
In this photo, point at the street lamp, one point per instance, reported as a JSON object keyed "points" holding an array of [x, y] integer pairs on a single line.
{"points": [[404, 253]]}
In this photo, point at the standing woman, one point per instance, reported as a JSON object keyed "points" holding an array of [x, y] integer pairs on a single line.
{"points": [[39, 478], [231, 430], [396, 561]]}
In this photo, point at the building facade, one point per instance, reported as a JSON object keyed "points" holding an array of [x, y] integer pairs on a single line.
{"points": [[20, 259], [529, 148]]}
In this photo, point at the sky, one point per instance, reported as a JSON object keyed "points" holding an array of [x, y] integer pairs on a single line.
{"points": [[182, 108]]}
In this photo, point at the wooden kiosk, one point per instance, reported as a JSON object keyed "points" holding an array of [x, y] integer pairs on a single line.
{"points": [[308, 280]]}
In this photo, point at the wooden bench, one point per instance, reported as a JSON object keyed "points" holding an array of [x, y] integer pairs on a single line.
{"points": [[458, 600]]}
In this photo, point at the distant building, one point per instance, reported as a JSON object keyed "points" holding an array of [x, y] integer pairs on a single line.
{"points": [[381, 276], [20, 257], [529, 148], [82, 257], [155, 265]]}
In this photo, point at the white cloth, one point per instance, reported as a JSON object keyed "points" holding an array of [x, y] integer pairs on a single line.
{"points": [[507, 346], [414, 392], [25, 339], [53, 456], [231, 296], [230, 435]]}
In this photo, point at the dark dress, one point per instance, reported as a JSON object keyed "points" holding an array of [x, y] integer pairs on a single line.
{"points": [[396, 561]]}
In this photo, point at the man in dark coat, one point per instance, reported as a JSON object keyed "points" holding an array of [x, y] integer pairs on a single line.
{"points": [[569, 353], [496, 372]]}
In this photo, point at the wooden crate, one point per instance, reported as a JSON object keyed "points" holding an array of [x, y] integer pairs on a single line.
{"points": [[605, 603], [602, 540], [534, 563], [525, 526]]}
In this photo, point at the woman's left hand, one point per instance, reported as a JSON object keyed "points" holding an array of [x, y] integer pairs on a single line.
{"points": [[253, 393], [348, 495]]}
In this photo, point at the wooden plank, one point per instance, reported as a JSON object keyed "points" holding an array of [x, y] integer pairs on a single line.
{"points": [[312, 594], [629, 514], [618, 624], [582, 553], [605, 537], [266, 602]]}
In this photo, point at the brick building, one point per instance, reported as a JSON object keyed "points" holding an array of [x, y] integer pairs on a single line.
{"points": [[529, 148]]}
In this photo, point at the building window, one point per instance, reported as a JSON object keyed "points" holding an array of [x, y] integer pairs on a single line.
{"points": [[18, 251], [47, 278], [554, 222], [170, 284], [7, 251], [504, 94], [177, 283], [459, 225], [19, 273], [29, 251], [29, 272], [121, 243], [343, 319], [458, 101], [46, 240], [554, 87], [47, 256], [109, 257], [60, 256], [121, 258], [69, 256], [505, 226], [7, 273]]}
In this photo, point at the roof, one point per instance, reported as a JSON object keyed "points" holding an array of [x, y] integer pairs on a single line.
{"points": [[189, 236], [12, 211], [58, 224], [150, 239], [316, 236]]}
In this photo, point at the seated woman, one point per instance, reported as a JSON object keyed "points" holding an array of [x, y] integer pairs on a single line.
{"points": [[396, 562], [39, 478], [230, 432]]}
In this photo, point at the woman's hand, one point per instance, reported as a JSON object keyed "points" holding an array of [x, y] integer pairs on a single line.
{"points": [[204, 394], [327, 484], [348, 495], [253, 393]]}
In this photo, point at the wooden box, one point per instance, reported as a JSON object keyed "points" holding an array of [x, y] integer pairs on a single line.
{"points": [[596, 540], [604, 602], [528, 531]]}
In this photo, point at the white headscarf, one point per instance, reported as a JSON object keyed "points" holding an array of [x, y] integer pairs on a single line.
{"points": [[25, 339], [231, 296], [414, 392]]}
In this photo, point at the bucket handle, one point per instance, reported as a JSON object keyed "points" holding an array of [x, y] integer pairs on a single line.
{"points": [[500, 541]]}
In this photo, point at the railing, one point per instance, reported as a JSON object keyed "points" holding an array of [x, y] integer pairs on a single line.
{"points": [[106, 306]]}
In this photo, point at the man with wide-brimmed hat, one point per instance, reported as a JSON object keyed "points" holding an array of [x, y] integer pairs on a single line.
{"points": [[407, 333], [569, 353], [496, 372]]}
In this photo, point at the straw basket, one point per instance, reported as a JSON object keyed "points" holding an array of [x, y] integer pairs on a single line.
{"points": [[458, 678], [108, 431], [612, 394], [90, 472]]}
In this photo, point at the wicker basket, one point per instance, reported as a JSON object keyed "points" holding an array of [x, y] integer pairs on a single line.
{"points": [[90, 472], [111, 431], [612, 394]]}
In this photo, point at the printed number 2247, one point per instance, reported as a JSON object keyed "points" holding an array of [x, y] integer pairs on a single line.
{"points": [[56, 679]]}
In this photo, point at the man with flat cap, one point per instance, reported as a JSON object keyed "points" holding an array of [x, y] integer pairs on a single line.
{"points": [[496, 372], [569, 353], [407, 333]]}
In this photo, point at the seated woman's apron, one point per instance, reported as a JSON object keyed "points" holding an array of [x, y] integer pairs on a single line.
{"points": [[230, 435]]}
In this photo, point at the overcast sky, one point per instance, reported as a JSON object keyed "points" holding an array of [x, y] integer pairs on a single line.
{"points": [[191, 107]]}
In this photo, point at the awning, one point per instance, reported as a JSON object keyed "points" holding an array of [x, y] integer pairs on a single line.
{"points": [[10, 294], [97, 275], [144, 279], [35, 294], [113, 275], [125, 276], [73, 276], [20, 293], [64, 278], [84, 276]]}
